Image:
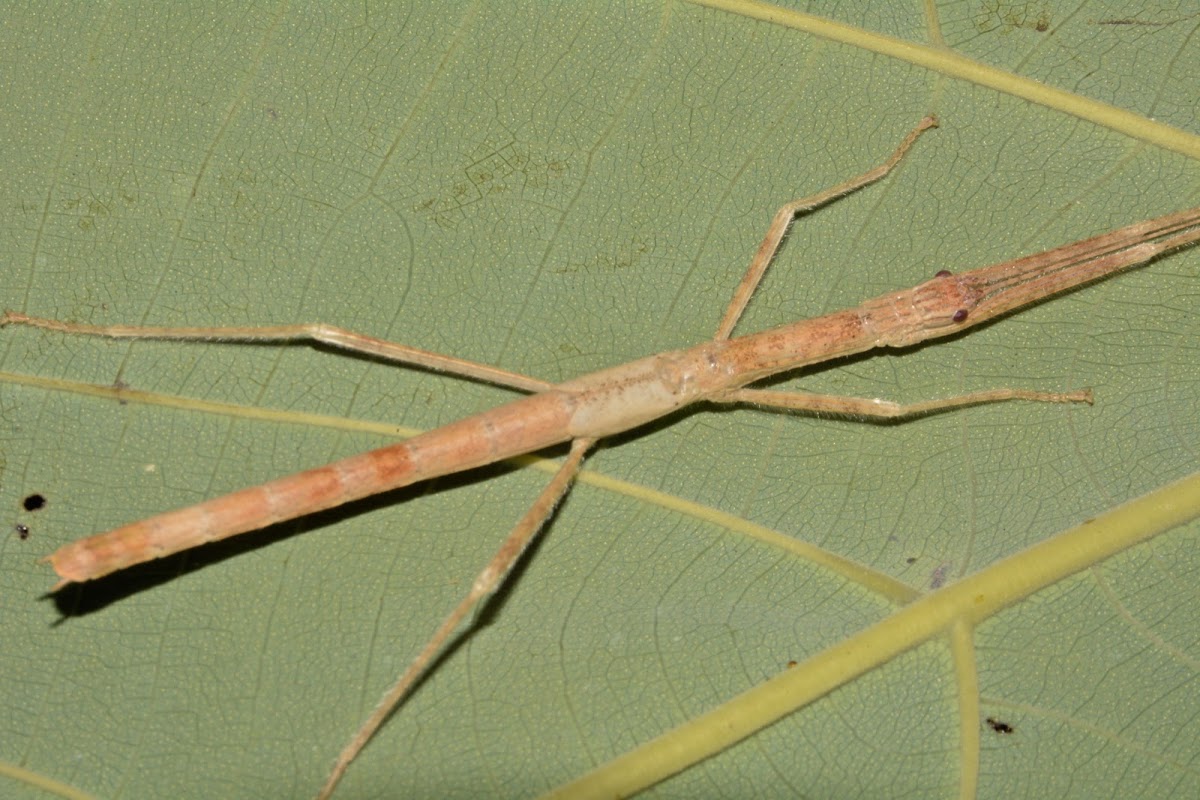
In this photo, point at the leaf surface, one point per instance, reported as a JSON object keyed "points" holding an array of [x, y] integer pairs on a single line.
{"points": [[556, 191]]}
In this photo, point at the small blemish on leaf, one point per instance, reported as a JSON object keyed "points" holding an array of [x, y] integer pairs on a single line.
{"points": [[999, 726]]}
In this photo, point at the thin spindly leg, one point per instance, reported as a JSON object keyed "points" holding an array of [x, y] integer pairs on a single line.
{"points": [[783, 220], [315, 332], [485, 585], [886, 409], [851, 406]]}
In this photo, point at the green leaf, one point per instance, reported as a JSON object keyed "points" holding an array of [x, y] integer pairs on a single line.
{"points": [[555, 191]]}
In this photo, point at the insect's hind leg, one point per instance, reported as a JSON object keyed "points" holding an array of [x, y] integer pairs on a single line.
{"points": [[315, 332], [785, 215], [485, 584]]}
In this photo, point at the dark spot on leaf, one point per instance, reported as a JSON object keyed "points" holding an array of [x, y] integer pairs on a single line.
{"points": [[33, 502], [999, 726], [22, 531]]}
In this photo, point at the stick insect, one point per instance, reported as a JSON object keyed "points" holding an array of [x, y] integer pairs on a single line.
{"points": [[613, 400]]}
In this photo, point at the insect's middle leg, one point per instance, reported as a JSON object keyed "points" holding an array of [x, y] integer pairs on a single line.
{"points": [[784, 217]]}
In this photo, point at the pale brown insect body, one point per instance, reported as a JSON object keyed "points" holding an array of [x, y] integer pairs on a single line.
{"points": [[612, 400]]}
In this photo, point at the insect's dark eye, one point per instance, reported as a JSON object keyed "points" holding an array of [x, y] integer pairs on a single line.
{"points": [[960, 315], [943, 273]]}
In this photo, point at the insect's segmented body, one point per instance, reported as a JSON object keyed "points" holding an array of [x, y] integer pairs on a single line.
{"points": [[624, 397], [610, 401]]}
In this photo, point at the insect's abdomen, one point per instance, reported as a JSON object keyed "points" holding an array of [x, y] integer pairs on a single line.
{"points": [[529, 424]]}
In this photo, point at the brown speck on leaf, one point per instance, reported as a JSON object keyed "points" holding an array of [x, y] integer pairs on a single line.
{"points": [[999, 726]]}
